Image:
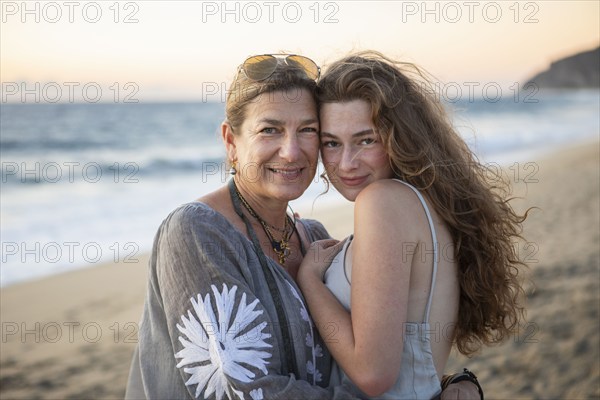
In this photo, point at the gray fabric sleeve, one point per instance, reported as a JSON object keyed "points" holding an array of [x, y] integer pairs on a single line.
{"points": [[315, 230], [206, 331]]}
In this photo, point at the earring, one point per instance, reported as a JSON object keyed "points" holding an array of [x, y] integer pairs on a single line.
{"points": [[232, 170]]}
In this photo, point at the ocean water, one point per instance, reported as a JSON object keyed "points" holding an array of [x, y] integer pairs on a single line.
{"points": [[84, 184]]}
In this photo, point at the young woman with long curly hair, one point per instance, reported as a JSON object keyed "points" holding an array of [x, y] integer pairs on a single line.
{"points": [[432, 261]]}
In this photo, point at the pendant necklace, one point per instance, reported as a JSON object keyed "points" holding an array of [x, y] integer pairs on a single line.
{"points": [[280, 247]]}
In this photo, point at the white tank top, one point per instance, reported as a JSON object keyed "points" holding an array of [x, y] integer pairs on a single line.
{"points": [[418, 377]]}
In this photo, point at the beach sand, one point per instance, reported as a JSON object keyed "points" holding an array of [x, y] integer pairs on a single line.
{"points": [[556, 353], [72, 335]]}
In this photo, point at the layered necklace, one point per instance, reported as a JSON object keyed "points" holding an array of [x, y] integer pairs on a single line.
{"points": [[280, 247]]}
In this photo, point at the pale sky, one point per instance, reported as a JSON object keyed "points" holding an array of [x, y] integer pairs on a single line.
{"points": [[177, 50]]}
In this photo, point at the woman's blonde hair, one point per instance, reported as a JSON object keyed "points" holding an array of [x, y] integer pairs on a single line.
{"points": [[244, 90], [426, 151]]}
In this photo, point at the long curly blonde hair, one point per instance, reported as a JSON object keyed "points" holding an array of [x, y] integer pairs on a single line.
{"points": [[473, 200]]}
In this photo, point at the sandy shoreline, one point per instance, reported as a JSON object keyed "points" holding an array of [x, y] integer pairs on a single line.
{"points": [[71, 335], [555, 354]]}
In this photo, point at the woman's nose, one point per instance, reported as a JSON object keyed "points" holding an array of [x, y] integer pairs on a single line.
{"points": [[290, 148], [348, 161]]}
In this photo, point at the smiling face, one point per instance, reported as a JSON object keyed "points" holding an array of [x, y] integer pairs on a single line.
{"points": [[351, 148], [276, 147]]}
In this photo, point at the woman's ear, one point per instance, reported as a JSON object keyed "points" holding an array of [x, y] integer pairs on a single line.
{"points": [[228, 140]]}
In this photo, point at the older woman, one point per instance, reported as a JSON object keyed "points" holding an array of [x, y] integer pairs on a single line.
{"points": [[223, 316]]}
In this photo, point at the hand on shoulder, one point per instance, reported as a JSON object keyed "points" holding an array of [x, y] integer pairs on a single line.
{"points": [[318, 258]]}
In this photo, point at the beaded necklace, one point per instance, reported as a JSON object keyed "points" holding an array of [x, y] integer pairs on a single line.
{"points": [[281, 247]]}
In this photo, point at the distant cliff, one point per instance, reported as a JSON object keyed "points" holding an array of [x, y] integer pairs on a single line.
{"points": [[579, 71]]}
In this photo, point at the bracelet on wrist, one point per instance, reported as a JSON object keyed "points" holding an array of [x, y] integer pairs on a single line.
{"points": [[466, 375]]}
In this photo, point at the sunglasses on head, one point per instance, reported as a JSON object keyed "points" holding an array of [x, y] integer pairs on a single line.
{"points": [[261, 67]]}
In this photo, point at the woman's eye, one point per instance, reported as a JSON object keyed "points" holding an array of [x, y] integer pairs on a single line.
{"points": [[368, 141], [330, 144], [269, 130], [310, 129]]}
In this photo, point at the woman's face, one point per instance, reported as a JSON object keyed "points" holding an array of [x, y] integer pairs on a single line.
{"points": [[351, 148], [277, 146]]}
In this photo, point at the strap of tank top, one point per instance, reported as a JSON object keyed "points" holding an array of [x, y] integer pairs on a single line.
{"points": [[435, 247]]}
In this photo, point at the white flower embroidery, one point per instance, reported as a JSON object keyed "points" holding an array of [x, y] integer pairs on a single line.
{"points": [[312, 369], [317, 351], [217, 348], [256, 394]]}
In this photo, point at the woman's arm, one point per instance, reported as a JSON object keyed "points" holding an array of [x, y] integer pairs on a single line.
{"points": [[380, 287]]}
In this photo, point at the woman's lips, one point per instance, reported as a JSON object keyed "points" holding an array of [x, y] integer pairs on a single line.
{"points": [[287, 173], [352, 181]]}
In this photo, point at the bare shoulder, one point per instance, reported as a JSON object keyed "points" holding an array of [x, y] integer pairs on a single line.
{"points": [[388, 197]]}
